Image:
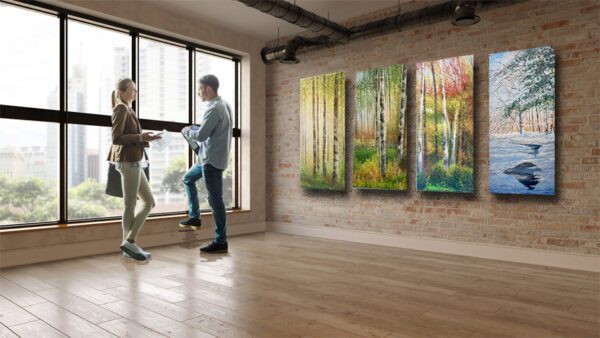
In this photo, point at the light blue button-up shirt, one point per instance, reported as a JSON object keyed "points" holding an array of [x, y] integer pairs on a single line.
{"points": [[214, 134]]}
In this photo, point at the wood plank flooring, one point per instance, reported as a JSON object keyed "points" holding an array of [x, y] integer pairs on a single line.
{"points": [[276, 285]]}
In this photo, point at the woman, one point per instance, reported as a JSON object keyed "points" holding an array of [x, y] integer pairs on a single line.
{"points": [[127, 152]]}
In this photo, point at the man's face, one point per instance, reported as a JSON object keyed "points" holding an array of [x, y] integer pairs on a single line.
{"points": [[203, 92]]}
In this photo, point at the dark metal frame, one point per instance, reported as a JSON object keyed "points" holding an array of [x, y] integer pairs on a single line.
{"points": [[64, 117]]}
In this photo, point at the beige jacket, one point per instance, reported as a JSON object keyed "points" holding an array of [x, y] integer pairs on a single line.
{"points": [[127, 144]]}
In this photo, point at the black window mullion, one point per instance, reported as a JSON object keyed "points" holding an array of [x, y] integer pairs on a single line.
{"points": [[237, 155], [134, 66], [191, 89], [63, 150], [29, 114]]}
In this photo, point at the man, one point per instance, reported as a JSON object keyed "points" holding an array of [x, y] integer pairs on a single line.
{"points": [[211, 141]]}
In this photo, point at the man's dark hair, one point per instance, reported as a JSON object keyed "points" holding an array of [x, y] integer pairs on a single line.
{"points": [[210, 81]]}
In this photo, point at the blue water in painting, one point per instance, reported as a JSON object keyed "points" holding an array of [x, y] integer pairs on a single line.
{"points": [[531, 160]]}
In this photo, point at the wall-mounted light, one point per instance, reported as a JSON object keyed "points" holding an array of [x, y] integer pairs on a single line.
{"points": [[464, 13]]}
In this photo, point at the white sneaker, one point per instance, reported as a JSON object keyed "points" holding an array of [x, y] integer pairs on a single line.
{"points": [[133, 251]]}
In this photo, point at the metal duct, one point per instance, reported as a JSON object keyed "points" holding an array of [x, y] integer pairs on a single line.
{"points": [[333, 33], [300, 17], [287, 52]]}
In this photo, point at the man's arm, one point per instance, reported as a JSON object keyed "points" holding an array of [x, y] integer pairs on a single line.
{"points": [[211, 119]]}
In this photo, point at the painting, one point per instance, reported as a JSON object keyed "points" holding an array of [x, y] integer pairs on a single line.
{"points": [[380, 129], [521, 122], [323, 132], [444, 108]]}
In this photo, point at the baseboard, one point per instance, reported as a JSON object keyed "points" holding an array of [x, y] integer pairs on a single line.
{"points": [[490, 251], [88, 248]]}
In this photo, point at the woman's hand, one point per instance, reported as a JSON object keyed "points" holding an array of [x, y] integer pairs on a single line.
{"points": [[149, 136]]}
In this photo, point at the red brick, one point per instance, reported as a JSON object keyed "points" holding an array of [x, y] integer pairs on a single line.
{"points": [[556, 24], [562, 242], [595, 8]]}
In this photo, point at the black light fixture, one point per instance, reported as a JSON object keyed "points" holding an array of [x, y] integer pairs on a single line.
{"points": [[283, 54], [464, 13]]}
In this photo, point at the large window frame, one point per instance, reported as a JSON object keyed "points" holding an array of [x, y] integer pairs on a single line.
{"points": [[65, 118]]}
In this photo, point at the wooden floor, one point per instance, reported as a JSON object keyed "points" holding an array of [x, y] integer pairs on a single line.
{"points": [[281, 285]]}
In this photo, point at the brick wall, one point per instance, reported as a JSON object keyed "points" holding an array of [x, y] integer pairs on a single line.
{"points": [[568, 222]]}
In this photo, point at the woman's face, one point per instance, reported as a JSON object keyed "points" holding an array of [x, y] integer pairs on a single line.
{"points": [[129, 95]]}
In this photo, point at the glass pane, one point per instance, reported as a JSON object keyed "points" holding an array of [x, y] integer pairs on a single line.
{"points": [[224, 70], [166, 173], [87, 171], [163, 82], [29, 58], [28, 172], [98, 58]]}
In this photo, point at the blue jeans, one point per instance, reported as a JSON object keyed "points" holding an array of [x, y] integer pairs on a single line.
{"points": [[213, 178]]}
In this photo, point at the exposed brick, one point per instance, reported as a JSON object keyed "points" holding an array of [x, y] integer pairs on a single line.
{"points": [[568, 222]]}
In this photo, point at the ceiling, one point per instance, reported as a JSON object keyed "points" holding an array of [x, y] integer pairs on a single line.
{"points": [[237, 17]]}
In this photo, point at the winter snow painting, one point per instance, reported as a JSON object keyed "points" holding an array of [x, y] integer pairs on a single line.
{"points": [[521, 120]]}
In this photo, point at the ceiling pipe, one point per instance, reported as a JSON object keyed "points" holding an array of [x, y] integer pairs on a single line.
{"points": [[460, 12], [300, 17], [287, 53]]}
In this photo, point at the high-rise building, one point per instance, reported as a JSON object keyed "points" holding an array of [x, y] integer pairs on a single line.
{"points": [[163, 88], [12, 162], [92, 165], [76, 135]]}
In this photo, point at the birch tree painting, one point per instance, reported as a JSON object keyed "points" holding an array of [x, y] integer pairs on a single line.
{"points": [[444, 99], [322, 132], [522, 147], [380, 129]]}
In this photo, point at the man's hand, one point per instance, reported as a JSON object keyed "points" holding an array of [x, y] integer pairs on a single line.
{"points": [[185, 130]]}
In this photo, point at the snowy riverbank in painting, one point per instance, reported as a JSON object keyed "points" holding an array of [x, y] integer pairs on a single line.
{"points": [[522, 164]]}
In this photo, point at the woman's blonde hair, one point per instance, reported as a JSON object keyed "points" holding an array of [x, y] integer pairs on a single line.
{"points": [[122, 86]]}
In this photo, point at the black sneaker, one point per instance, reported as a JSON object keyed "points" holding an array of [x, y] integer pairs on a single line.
{"points": [[215, 248], [191, 223]]}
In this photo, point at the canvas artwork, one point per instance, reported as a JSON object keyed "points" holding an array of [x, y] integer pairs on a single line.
{"points": [[380, 129], [444, 100], [522, 147], [322, 132]]}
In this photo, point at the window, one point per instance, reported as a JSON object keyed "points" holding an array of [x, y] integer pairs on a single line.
{"points": [[29, 58], [166, 172], [58, 173], [28, 172], [98, 58], [87, 171], [163, 82], [224, 70]]}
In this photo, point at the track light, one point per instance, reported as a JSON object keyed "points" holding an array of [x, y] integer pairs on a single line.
{"points": [[464, 13]]}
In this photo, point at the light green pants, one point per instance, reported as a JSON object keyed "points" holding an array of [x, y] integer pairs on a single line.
{"points": [[134, 183]]}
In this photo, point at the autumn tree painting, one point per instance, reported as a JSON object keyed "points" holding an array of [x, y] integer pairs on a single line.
{"points": [[322, 132], [380, 129], [521, 116], [444, 100]]}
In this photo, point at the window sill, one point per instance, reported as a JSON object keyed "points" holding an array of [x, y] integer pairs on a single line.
{"points": [[104, 223]]}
